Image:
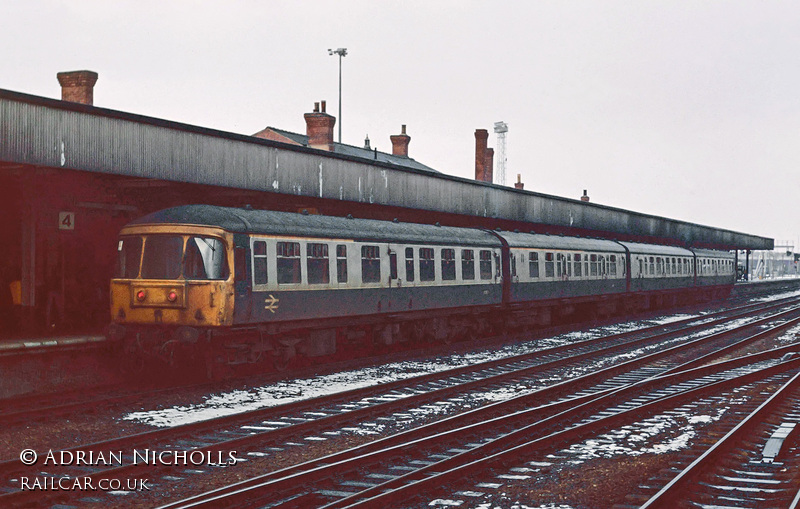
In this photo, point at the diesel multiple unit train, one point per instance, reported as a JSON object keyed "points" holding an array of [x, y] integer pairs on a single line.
{"points": [[228, 286]]}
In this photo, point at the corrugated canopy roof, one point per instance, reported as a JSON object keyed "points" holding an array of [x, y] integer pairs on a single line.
{"points": [[42, 132]]}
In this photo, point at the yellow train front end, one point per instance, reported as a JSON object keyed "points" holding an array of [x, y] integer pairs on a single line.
{"points": [[173, 287]]}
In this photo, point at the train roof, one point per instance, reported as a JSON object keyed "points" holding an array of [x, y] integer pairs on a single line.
{"points": [[269, 222], [541, 241], [654, 249]]}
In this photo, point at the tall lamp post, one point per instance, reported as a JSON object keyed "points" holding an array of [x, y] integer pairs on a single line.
{"points": [[342, 52]]}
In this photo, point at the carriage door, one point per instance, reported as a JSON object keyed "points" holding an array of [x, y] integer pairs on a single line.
{"points": [[393, 277], [241, 280]]}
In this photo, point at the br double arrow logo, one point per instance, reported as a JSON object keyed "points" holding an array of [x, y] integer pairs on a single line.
{"points": [[271, 303]]}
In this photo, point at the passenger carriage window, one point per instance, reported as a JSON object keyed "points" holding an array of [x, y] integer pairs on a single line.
{"points": [[288, 258], [593, 265], [641, 267], [578, 271], [341, 263], [259, 262], [427, 269], [467, 264], [601, 265], [569, 265], [513, 264], [612, 265], [317, 264], [652, 265], [129, 254], [409, 264], [448, 264], [370, 264], [549, 265], [533, 265], [486, 264]]}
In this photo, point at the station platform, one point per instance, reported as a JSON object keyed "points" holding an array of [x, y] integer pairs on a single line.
{"points": [[775, 280], [16, 346]]}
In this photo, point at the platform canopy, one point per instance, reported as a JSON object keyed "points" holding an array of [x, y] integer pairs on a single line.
{"points": [[41, 132]]}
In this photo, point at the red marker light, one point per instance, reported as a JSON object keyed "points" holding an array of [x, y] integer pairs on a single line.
{"points": [[172, 296], [140, 295]]}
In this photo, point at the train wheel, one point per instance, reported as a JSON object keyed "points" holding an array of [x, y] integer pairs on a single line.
{"points": [[283, 358]]}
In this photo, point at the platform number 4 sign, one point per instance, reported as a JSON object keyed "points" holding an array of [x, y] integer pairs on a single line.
{"points": [[66, 220]]}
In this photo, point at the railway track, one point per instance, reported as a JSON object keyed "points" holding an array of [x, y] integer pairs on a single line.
{"points": [[275, 427], [396, 470], [33, 407], [755, 465]]}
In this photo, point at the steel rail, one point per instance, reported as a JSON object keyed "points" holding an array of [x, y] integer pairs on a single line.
{"points": [[146, 438], [504, 408], [454, 469], [670, 494]]}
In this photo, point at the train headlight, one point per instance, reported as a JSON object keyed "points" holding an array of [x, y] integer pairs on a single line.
{"points": [[172, 296], [140, 295]]}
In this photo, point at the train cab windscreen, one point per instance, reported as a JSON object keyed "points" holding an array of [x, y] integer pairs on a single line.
{"points": [[171, 257]]}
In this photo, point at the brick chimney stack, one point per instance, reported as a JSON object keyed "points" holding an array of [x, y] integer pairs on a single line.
{"points": [[400, 143], [319, 128], [77, 86], [585, 196], [519, 184], [481, 137], [489, 165]]}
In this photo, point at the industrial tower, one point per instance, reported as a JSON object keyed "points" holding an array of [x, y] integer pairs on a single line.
{"points": [[501, 128]]}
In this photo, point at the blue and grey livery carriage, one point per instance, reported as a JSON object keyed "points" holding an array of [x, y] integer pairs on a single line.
{"points": [[233, 286]]}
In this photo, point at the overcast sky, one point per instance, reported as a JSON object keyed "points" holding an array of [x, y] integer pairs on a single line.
{"points": [[687, 110]]}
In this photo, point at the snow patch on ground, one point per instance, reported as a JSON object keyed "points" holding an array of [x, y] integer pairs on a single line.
{"points": [[777, 296], [656, 435], [279, 393]]}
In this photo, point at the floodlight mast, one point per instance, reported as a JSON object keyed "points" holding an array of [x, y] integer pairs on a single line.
{"points": [[342, 52], [501, 128]]}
